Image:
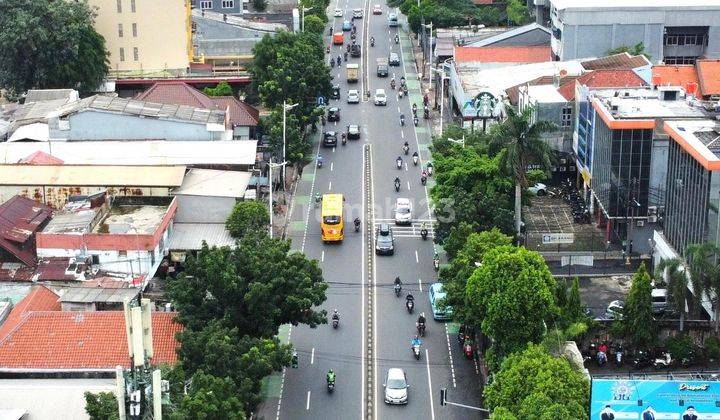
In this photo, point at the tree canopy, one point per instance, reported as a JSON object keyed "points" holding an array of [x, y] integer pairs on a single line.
{"points": [[50, 44], [314, 24], [101, 406], [222, 89], [532, 384], [256, 287], [637, 313], [511, 297], [247, 216], [447, 13], [210, 398]]}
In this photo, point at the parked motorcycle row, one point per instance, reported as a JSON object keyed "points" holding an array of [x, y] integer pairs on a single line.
{"points": [[569, 192], [601, 353]]}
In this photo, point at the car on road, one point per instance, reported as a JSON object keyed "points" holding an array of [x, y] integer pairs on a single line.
{"points": [[338, 13], [377, 10], [353, 97], [329, 139], [347, 26], [384, 242], [380, 97], [392, 20], [333, 114], [437, 294], [355, 50], [353, 131], [394, 59], [357, 13], [403, 211], [615, 310], [538, 189], [396, 386]]}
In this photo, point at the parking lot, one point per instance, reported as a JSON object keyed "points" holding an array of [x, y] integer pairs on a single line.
{"points": [[598, 292]]}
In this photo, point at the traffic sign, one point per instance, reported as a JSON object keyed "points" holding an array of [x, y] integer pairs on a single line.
{"points": [[321, 100], [558, 238]]}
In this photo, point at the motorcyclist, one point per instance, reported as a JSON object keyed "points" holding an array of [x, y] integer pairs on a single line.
{"points": [[415, 157], [399, 161], [397, 38], [409, 298], [345, 54], [332, 62], [330, 377], [425, 99], [335, 315], [372, 41], [343, 137], [423, 230], [415, 120], [415, 342], [406, 148], [421, 318], [397, 281], [397, 183], [318, 198], [357, 223], [402, 80], [430, 168], [392, 83], [414, 109], [339, 59], [402, 119]]}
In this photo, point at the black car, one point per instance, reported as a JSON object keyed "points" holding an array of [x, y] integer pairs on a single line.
{"points": [[333, 114], [355, 50], [384, 242], [353, 131], [394, 59], [335, 92], [329, 139]]}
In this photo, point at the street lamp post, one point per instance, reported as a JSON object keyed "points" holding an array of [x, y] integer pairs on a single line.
{"points": [[302, 18], [286, 108], [270, 181], [442, 94]]}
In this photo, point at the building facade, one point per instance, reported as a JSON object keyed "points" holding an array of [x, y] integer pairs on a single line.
{"points": [[147, 37], [231, 7], [672, 31]]}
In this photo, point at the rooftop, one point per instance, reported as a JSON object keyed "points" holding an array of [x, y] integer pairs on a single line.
{"points": [[151, 152], [210, 182], [628, 4], [645, 104], [616, 62], [675, 75], [546, 94], [515, 54], [40, 298], [603, 79], [700, 138], [709, 75], [190, 236], [50, 398], [98, 294], [35, 95], [506, 35], [96, 175], [20, 218]]}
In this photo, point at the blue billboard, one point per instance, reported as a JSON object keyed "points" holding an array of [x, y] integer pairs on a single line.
{"points": [[619, 399]]}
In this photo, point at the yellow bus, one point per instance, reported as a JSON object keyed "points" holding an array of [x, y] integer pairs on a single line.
{"points": [[333, 220]]}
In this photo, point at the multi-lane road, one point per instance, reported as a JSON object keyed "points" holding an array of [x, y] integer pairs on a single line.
{"points": [[375, 328]]}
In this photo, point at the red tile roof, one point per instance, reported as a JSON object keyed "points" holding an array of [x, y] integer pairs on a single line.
{"points": [[40, 298], [20, 218], [709, 75], [513, 54], [622, 61], [675, 75], [41, 158], [79, 340], [602, 79], [180, 93]]}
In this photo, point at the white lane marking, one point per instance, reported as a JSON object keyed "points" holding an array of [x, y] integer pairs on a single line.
{"points": [[322, 258], [333, 149], [312, 356], [332, 165], [307, 404], [402, 134], [417, 259], [452, 365], [408, 182], [363, 339], [420, 284], [330, 186], [374, 314], [427, 363], [406, 167]]}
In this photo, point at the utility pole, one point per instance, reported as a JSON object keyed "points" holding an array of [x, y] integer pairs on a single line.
{"points": [[286, 108], [270, 181], [444, 401]]}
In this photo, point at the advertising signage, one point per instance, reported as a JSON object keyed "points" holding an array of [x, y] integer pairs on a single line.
{"points": [[624, 399]]}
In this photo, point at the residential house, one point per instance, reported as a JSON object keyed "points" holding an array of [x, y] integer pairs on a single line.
{"points": [[243, 118], [20, 219], [96, 298], [701, 79]]}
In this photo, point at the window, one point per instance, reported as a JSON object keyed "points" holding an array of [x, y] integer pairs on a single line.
{"points": [[122, 54], [228, 4], [205, 4], [132, 6], [566, 116], [122, 254], [120, 30], [134, 29], [136, 54], [119, 6]]}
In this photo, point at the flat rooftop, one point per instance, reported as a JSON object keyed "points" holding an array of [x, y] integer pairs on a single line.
{"points": [[627, 4], [546, 93], [97, 294], [95, 175], [700, 138], [646, 104]]}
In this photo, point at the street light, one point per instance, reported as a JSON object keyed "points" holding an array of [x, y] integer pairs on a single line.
{"points": [[286, 107], [430, 49], [460, 142], [302, 19], [443, 77], [270, 179]]}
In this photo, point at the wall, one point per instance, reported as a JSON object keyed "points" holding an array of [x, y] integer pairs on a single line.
{"points": [[658, 171], [93, 125], [203, 209], [57, 196], [217, 6], [162, 36]]}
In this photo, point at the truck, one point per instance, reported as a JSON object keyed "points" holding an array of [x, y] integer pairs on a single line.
{"points": [[382, 67], [352, 72]]}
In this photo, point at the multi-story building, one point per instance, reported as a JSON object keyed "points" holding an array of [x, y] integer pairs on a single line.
{"points": [[672, 31], [230, 7], [146, 36]]}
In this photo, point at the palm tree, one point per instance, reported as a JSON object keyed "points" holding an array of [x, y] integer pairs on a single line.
{"points": [[674, 274], [521, 140], [705, 275]]}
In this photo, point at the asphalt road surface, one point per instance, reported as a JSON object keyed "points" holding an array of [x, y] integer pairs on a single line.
{"points": [[375, 328]]}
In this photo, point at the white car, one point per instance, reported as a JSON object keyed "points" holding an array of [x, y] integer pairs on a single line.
{"points": [[377, 10], [357, 13], [353, 97], [338, 12], [615, 310], [538, 189], [403, 211], [396, 386], [380, 97]]}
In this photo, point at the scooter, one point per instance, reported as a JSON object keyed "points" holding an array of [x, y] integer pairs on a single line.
{"points": [[618, 356], [420, 329], [424, 233], [601, 358], [397, 186], [372, 42], [402, 120], [397, 39], [436, 262], [415, 121], [415, 160], [423, 179], [663, 362], [416, 351], [429, 170], [400, 93], [642, 359], [344, 140], [335, 322], [319, 163], [467, 349], [331, 387], [406, 149], [294, 360], [410, 304], [398, 162], [398, 289]]}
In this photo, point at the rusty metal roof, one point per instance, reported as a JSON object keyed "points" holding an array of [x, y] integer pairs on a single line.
{"points": [[20, 218]]}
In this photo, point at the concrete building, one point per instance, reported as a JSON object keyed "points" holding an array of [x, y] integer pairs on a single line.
{"points": [[145, 37], [672, 31], [702, 78], [127, 235], [231, 7]]}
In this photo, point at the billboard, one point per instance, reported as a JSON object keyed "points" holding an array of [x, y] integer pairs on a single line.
{"points": [[624, 399]]}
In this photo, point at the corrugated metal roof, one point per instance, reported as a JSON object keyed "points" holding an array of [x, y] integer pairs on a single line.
{"points": [[20, 218], [214, 183], [82, 175], [190, 236], [97, 294]]}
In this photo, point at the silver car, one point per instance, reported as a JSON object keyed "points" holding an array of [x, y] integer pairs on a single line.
{"points": [[403, 211], [396, 386], [353, 96]]}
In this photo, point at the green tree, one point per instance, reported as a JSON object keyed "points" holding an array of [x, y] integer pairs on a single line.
{"points": [[247, 216], [673, 273], [259, 5], [521, 139], [532, 384], [297, 147], [210, 398], [511, 297], [637, 313], [637, 49], [223, 352], [704, 262], [222, 89], [572, 309], [255, 287], [518, 13], [317, 8], [50, 44], [101, 406], [314, 24]]}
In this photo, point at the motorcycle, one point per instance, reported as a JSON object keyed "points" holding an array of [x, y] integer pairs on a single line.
{"points": [[663, 362], [372, 42], [423, 179], [344, 140], [430, 169], [426, 114], [424, 233], [332, 62], [339, 60], [392, 84], [416, 351], [398, 162], [406, 149], [357, 226], [400, 93], [331, 386], [415, 160], [397, 39], [642, 359], [398, 289], [345, 56], [415, 120], [467, 349], [335, 322], [397, 186], [436, 262], [420, 329], [294, 360], [319, 163], [327, 50], [618, 356], [409, 304], [402, 120], [601, 358]]}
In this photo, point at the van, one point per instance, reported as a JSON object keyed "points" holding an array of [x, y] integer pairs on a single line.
{"points": [[392, 19], [338, 38], [659, 300]]}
